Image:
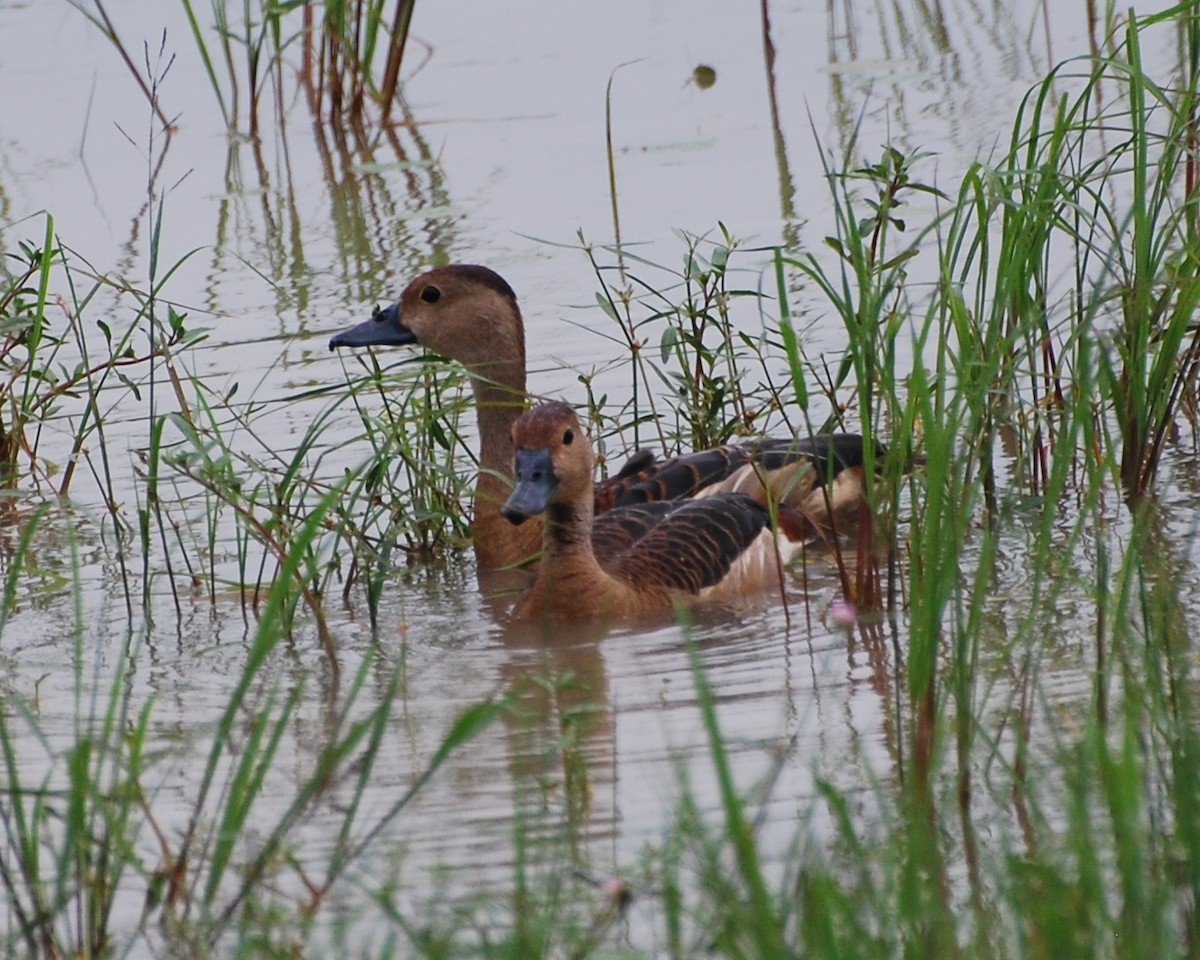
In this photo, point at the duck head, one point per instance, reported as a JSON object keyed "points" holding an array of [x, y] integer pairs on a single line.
{"points": [[552, 462], [464, 312]]}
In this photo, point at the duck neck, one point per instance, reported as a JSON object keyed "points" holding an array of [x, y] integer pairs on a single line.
{"points": [[567, 540], [498, 406], [497, 373]]}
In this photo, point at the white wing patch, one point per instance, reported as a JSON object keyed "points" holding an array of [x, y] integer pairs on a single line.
{"points": [[789, 484], [757, 568]]}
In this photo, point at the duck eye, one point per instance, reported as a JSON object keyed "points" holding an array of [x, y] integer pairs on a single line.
{"points": [[568, 437], [431, 294]]}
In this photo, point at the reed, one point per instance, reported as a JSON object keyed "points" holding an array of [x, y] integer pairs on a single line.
{"points": [[89, 869], [89, 865], [351, 55], [699, 374], [1006, 828]]}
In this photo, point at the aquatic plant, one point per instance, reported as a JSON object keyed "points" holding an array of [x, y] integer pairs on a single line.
{"points": [[47, 357], [93, 866], [679, 327], [350, 56]]}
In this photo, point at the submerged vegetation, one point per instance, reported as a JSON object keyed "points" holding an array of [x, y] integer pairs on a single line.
{"points": [[1026, 335]]}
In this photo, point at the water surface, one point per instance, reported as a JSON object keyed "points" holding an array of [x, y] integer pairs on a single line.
{"points": [[502, 163]]}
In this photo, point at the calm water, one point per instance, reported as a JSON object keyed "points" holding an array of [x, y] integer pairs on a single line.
{"points": [[509, 106]]}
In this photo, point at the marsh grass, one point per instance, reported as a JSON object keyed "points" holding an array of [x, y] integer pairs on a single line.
{"points": [[403, 504], [1053, 329], [349, 53], [47, 357], [692, 367], [354, 55], [89, 867], [90, 870], [1059, 374]]}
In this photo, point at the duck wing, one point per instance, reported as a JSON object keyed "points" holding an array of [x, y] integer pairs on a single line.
{"points": [[790, 468], [645, 480], [685, 545], [792, 471], [614, 532], [639, 462]]}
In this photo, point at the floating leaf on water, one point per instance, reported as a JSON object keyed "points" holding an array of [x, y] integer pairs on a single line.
{"points": [[704, 76]]}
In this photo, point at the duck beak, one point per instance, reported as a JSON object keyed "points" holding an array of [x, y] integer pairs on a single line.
{"points": [[384, 329], [536, 484]]}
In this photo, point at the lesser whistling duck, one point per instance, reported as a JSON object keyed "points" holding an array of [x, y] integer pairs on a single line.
{"points": [[715, 547], [469, 313]]}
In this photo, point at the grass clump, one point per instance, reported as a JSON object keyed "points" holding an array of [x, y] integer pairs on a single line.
{"points": [[92, 863], [49, 356], [689, 361], [1005, 830], [350, 56], [404, 503], [90, 868]]}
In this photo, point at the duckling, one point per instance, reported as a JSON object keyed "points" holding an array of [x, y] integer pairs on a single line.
{"points": [[470, 314], [655, 554]]}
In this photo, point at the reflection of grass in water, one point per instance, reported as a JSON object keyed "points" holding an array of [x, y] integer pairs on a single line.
{"points": [[1011, 820]]}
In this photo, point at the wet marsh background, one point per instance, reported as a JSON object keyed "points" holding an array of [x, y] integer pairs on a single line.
{"points": [[222, 681]]}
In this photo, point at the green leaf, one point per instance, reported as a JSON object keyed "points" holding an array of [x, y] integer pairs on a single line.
{"points": [[670, 340], [607, 306], [472, 721]]}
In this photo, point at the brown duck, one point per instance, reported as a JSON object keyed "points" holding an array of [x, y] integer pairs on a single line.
{"points": [[633, 559]]}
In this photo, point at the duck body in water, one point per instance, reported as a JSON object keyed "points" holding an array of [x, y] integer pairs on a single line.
{"points": [[666, 552]]}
